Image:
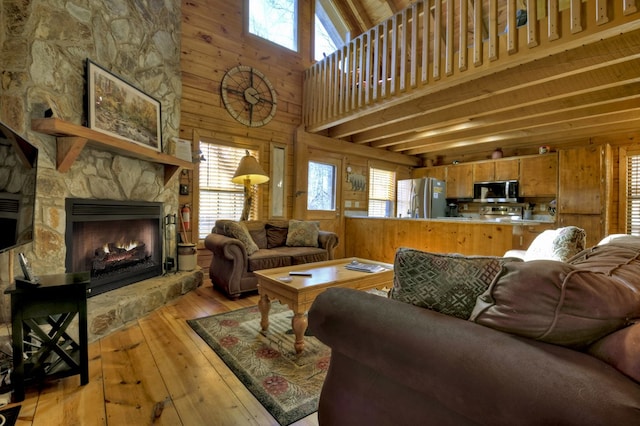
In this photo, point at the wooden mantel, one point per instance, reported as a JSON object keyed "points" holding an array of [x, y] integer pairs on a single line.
{"points": [[72, 138]]}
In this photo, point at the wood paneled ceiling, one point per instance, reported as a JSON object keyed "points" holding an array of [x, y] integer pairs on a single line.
{"points": [[587, 92]]}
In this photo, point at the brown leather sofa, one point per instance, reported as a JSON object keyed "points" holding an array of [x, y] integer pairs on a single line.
{"points": [[232, 264], [547, 343]]}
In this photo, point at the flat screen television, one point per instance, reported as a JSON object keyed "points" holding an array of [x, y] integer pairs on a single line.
{"points": [[18, 162]]}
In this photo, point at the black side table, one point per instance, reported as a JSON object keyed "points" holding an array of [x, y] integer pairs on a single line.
{"points": [[40, 317]]}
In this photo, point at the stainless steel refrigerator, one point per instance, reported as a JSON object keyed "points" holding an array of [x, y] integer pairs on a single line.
{"points": [[421, 198]]}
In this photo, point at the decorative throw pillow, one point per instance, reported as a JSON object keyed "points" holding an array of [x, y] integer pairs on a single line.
{"points": [[276, 235], [445, 283], [239, 231], [303, 234], [258, 232], [561, 303], [621, 349], [557, 244]]}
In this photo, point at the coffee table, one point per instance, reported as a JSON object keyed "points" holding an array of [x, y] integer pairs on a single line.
{"points": [[299, 292]]}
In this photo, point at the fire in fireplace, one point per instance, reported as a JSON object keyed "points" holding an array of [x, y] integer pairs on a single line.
{"points": [[120, 242]]}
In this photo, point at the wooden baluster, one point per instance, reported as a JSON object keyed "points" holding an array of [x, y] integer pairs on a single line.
{"points": [[478, 30], [576, 16], [449, 38], [367, 78], [463, 55], [413, 57], [512, 30], [424, 78], [629, 7], [385, 58], [403, 51], [336, 82], [602, 15], [554, 31], [394, 54], [532, 23], [361, 70], [376, 62], [437, 41], [493, 30]]}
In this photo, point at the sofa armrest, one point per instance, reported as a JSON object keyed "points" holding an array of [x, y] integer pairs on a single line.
{"points": [[228, 263], [475, 371], [518, 254], [329, 241]]}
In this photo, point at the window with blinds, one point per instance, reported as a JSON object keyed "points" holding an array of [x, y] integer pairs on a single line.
{"points": [[219, 197], [381, 192], [633, 194]]}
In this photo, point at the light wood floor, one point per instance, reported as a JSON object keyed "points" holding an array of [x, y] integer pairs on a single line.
{"points": [[156, 371]]}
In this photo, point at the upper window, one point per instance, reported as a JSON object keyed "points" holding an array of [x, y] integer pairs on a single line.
{"points": [[219, 197], [321, 191], [331, 32], [633, 193], [276, 21], [381, 192]]}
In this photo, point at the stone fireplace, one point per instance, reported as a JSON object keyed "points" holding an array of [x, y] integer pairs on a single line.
{"points": [[119, 242]]}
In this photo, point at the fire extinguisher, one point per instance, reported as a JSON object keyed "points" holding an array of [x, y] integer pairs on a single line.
{"points": [[186, 217]]}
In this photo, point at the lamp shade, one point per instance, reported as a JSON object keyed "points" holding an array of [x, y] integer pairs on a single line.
{"points": [[251, 170]]}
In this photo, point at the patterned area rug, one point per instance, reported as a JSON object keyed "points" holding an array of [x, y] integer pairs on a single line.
{"points": [[286, 384], [9, 416]]}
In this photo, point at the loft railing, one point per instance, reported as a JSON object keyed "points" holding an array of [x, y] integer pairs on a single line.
{"points": [[418, 49]]}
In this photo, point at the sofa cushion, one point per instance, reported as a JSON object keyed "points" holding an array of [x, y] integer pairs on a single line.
{"points": [[566, 304], [445, 283], [276, 235], [557, 244], [239, 231], [258, 232], [303, 233], [308, 255], [621, 349], [267, 259]]}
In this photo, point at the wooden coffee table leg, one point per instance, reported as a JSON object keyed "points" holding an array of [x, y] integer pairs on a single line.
{"points": [[264, 305], [299, 324]]}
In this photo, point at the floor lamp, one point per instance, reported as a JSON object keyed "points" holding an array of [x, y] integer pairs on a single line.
{"points": [[249, 172]]}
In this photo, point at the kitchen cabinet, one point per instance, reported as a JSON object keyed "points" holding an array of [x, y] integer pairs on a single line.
{"points": [[539, 176], [460, 181], [583, 192], [438, 172], [497, 170]]}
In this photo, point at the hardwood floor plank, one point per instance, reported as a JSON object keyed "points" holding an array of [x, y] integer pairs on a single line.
{"points": [[65, 402], [198, 392], [134, 391]]}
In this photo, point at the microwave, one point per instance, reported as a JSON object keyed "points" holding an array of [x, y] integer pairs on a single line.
{"points": [[505, 191]]}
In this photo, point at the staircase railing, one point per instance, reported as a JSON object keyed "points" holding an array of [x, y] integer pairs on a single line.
{"points": [[418, 50]]}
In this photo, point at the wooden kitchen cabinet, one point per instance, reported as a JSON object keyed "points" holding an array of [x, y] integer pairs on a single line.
{"points": [[438, 172], [460, 181], [497, 170], [584, 199], [539, 176]]}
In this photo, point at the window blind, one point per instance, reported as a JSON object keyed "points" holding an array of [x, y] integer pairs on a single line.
{"points": [[633, 194], [381, 192], [219, 197]]}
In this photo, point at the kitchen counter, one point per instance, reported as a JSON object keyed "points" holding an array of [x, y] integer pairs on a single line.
{"points": [[379, 238], [476, 220]]}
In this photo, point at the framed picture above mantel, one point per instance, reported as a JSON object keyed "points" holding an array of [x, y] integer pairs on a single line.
{"points": [[119, 109]]}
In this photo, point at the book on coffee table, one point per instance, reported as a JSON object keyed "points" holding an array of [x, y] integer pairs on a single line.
{"points": [[364, 267]]}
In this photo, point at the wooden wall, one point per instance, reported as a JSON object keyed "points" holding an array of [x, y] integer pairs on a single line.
{"points": [[213, 41]]}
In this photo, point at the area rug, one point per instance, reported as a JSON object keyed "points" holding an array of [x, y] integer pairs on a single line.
{"points": [[286, 384], [9, 416]]}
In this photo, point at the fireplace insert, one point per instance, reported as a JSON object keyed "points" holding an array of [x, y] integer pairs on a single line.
{"points": [[119, 242]]}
